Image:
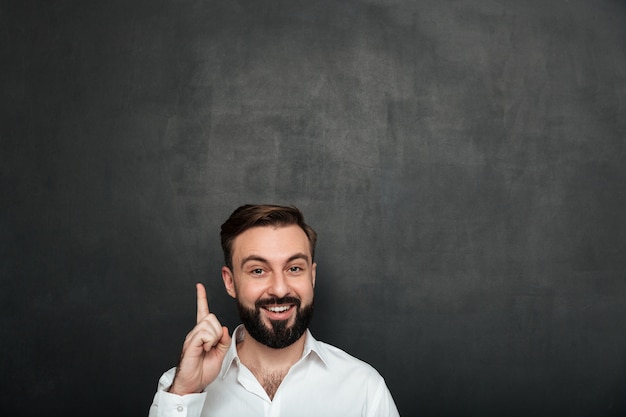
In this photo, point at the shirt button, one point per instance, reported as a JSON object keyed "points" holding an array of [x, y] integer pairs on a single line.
{"points": [[180, 408]]}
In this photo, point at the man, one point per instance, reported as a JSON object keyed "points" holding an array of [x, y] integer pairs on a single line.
{"points": [[274, 367]]}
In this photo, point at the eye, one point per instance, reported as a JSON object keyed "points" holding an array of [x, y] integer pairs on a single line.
{"points": [[295, 269], [257, 271]]}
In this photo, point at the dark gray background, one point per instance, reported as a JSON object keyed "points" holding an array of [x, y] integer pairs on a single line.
{"points": [[462, 162]]}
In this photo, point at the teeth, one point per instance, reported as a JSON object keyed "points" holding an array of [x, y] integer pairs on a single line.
{"points": [[278, 309]]}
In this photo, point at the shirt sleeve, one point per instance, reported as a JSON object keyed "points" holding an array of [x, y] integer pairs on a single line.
{"points": [[382, 404], [166, 404]]}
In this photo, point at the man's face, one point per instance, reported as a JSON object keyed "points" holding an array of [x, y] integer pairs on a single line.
{"points": [[272, 279]]}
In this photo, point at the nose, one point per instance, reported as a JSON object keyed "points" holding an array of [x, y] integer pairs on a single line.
{"points": [[279, 287]]}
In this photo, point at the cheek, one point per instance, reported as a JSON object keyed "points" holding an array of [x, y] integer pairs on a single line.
{"points": [[248, 293], [306, 290]]}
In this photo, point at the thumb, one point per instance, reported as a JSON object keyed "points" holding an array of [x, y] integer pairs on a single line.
{"points": [[224, 343]]}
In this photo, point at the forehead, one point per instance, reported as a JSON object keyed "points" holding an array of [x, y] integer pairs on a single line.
{"points": [[271, 242]]}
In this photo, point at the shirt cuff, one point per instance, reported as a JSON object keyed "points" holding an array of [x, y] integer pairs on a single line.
{"points": [[173, 405]]}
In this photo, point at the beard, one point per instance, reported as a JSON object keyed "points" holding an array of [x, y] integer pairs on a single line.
{"points": [[279, 335]]}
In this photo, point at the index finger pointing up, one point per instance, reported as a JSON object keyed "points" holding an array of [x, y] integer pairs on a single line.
{"points": [[203, 304]]}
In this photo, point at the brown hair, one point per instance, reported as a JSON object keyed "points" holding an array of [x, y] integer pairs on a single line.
{"points": [[248, 216]]}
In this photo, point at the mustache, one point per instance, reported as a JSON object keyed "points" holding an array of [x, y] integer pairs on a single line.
{"points": [[276, 300]]}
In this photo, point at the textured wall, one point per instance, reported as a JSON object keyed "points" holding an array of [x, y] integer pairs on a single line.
{"points": [[462, 162]]}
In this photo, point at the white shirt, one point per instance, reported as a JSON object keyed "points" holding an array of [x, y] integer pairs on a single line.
{"points": [[325, 382]]}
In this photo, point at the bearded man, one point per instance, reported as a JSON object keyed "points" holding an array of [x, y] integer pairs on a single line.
{"points": [[275, 367]]}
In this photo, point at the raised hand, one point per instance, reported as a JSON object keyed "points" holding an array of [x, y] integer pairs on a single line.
{"points": [[203, 351]]}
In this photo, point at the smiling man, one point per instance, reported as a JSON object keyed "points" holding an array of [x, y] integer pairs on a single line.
{"points": [[274, 367]]}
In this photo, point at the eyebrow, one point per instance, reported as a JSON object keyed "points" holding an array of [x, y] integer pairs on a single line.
{"points": [[257, 258]]}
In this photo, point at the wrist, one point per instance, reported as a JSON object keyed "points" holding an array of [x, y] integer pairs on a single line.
{"points": [[178, 390], [173, 389]]}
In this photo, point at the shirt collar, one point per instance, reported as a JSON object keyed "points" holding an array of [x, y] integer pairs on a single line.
{"points": [[312, 348]]}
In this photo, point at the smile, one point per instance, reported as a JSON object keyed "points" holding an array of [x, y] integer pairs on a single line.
{"points": [[280, 312], [278, 309], [278, 305]]}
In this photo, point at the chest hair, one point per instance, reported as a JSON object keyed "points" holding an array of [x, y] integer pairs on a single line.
{"points": [[270, 380]]}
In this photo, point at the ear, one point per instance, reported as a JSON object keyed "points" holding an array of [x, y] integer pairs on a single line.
{"points": [[313, 271], [229, 281]]}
